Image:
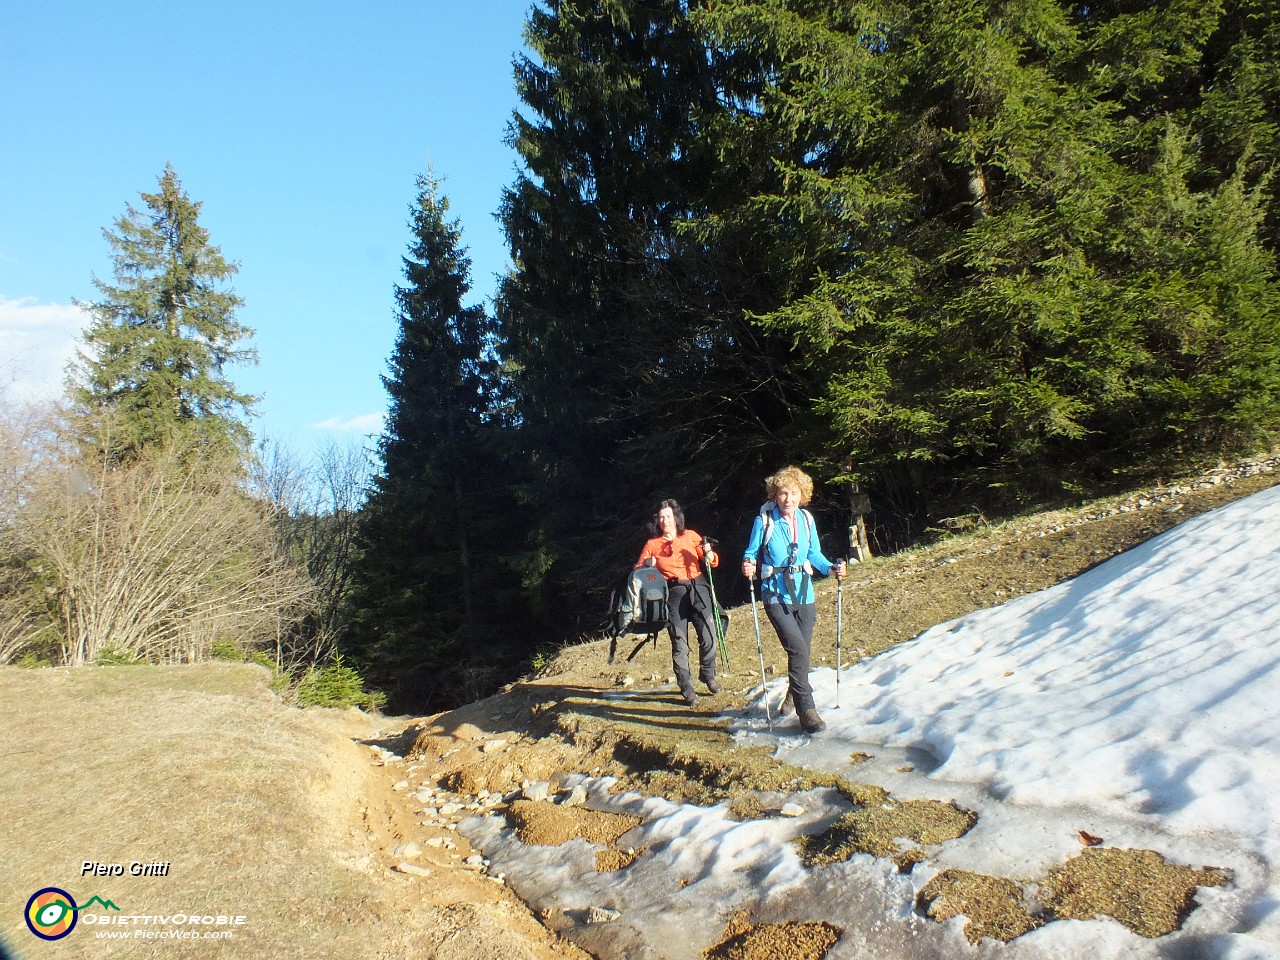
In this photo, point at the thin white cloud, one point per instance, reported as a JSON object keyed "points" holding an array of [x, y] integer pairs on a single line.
{"points": [[364, 423], [36, 343]]}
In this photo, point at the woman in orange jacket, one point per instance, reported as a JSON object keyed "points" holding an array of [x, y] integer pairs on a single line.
{"points": [[678, 554]]}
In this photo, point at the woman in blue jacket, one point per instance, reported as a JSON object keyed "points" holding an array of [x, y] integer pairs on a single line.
{"points": [[784, 549]]}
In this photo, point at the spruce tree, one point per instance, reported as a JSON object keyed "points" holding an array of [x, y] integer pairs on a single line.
{"points": [[638, 373], [437, 585], [163, 335]]}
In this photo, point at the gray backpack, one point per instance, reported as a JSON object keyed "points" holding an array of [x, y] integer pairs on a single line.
{"points": [[640, 604]]}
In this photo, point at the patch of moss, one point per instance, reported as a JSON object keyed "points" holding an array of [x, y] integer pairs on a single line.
{"points": [[992, 905], [749, 807], [907, 859], [1139, 888], [793, 940], [876, 828], [863, 794]]}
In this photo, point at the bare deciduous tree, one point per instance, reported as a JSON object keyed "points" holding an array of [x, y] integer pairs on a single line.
{"points": [[155, 559], [314, 511], [24, 619]]}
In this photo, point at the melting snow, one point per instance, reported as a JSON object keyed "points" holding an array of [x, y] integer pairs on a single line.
{"points": [[1139, 701]]}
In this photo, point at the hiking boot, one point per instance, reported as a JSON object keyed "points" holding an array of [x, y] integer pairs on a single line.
{"points": [[690, 698], [810, 722], [714, 685], [788, 707]]}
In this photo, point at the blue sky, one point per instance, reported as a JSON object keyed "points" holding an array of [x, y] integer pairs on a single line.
{"points": [[300, 127]]}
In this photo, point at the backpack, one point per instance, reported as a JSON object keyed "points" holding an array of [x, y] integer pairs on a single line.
{"points": [[640, 604]]}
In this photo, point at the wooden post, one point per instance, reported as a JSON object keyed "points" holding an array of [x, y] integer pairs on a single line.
{"points": [[859, 507]]}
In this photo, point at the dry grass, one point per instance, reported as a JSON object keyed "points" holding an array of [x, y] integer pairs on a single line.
{"points": [[611, 861], [550, 825], [698, 765], [992, 906], [879, 829], [793, 940], [1139, 888], [199, 767], [263, 811]]}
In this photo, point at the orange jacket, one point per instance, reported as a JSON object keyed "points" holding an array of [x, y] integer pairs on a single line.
{"points": [[678, 559]]}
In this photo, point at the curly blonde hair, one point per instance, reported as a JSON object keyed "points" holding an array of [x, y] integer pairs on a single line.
{"points": [[790, 476]]}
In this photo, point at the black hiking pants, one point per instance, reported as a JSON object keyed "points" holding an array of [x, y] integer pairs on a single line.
{"points": [[689, 602], [794, 625]]}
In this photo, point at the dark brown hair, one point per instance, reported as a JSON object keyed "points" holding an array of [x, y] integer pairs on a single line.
{"points": [[677, 511]]}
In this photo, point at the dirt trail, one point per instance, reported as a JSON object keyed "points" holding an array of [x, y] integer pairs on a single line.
{"points": [[430, 877]]}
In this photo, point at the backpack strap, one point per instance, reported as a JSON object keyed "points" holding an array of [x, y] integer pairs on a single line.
{"points": [[807, 517], [766, 530], [788, 574]]}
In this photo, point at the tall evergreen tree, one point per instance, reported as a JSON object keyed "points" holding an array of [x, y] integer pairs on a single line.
{"points": [[163, 334], [638, 372], [437, 586]]}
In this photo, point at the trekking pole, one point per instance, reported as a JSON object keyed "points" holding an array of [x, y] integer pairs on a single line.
{"points": [[722, 646], [839, 604], [760, 649]]}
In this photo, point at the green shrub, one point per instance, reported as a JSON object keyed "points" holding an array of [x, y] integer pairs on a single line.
{"points": [[227, 650], [336, 685], [231, 651], [31, 661], [263, 659], [117, 657]]}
